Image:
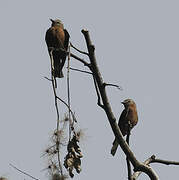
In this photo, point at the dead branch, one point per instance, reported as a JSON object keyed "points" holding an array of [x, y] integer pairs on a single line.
{"points": [[71, 123], [82, 52], [98, 94], [47, 78], [107, 107], [153, 159], [166, 162], [127, 159], [118, 87], [72, 113], [137, 173], [57, 111], [79, 59], [23, 172], [74, 69]]}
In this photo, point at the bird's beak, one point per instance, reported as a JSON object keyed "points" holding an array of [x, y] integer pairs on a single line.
{"points": [[122, 102], [52, 20]]}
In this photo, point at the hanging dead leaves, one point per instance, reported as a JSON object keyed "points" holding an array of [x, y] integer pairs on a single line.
{"points": [[74, 155]]}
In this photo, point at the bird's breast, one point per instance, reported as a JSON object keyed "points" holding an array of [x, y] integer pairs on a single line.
{"points": [[55, 37]]}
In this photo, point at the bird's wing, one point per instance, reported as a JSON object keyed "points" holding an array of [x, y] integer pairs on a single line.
{"points": [[48, 38], [66, 42], [65, 45], [123, 116], [123, 122]]}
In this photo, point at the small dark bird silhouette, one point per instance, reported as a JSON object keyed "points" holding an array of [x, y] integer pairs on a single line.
{"points": [[127, 120], [58, 38]]}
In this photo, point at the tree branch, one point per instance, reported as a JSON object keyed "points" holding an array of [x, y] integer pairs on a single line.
{"points": [[153, 159], [23, 172], [57, 111], [107, 107], [74, 69], [72, 113], [98, 94], [47, 78], [166, 162], [82, 52], [127, 159], [118, 87], [137, 173], [79, 59]]}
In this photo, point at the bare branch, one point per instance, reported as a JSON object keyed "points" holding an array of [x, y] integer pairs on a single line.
{"points": [[56, 106], [47, 78], [82, 52], [137, 173], [118, 87], [73, 114], [98, 94], [74, 69], [23, 172], [54, 91], [79, 59], [68, 92], [127, 159], [112, 120], [154, 160]]}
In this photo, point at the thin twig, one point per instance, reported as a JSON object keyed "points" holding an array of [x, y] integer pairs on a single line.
{"points": [[55, 94], [47, 149], [73, 114], [47, 78], [80, 70], [68, 93], [82, 52], [118, 87], [79, 59], [57, 111], [23, 172]]}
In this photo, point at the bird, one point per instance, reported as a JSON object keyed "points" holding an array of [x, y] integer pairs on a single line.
{"points": [[128, 119], [57, 38]]}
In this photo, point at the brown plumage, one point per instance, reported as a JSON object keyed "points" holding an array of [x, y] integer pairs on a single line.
{"points": [[128, 116], [57, 37]]}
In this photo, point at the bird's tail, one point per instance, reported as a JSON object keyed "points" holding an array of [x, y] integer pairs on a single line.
{"points": [[58, 73], [58, 64], [114, 147]]}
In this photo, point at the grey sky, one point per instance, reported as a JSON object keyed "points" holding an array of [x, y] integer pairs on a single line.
{"points": [[137, 46]]}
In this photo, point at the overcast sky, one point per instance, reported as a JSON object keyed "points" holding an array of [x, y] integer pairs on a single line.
{"points": [[137, 45]]}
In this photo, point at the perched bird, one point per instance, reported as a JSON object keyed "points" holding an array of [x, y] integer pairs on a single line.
{"points": [[58, 38], [127, 120]]}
